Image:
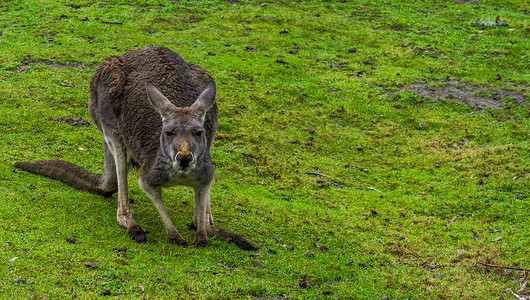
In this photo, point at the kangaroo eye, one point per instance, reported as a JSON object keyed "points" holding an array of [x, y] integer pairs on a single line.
{"points": [[199, 133], [169, 133]]}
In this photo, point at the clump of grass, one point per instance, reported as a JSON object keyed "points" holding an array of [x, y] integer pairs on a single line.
{"points": [[485, 23]]}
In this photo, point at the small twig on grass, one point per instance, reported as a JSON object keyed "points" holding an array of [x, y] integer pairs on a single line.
{"points": [[249, 156], [337, 184], [373, 189], [316, 174], [111, 22], [517, 296], [504, 267]]}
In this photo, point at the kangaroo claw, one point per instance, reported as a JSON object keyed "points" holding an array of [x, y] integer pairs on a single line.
{"points": [[178, 241], [201, 243], [137, 233]]}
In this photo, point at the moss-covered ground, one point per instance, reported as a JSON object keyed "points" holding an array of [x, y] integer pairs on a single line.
{"points": [[419, 194]]}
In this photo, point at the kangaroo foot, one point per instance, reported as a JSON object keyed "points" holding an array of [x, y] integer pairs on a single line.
{"points": [[242, 243], [137, 233], [200, 240], [203, 243], [177, 240], [232, 237]]}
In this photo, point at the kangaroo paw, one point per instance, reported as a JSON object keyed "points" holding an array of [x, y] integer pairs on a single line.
{"points": [[201, 243], [200, 240], [178, 240], [136, 233]]}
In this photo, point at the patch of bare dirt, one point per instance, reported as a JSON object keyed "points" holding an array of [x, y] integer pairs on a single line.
{"points": [[72, 121], [28, 63], [478, 96]]}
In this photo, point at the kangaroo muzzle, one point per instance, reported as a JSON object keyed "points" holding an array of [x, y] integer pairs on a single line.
{"points": [[185, 159]]}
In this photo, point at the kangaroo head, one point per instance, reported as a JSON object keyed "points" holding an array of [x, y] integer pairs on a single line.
{"points": [[183, 137]]}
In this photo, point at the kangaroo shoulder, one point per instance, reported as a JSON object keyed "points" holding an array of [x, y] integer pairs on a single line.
{"points": [[112, 73]]}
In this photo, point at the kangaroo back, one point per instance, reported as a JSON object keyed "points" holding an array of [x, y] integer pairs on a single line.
{"points": [[119, 103]]}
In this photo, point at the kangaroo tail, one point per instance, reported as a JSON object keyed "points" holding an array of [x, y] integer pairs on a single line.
{"points": [[67, 172]]}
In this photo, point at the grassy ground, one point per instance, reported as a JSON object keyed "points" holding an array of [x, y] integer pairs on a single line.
{"points": [[419, 192]]}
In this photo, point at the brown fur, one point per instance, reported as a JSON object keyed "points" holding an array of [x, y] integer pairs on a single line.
{"points": [[67, 172], [123, 91]]}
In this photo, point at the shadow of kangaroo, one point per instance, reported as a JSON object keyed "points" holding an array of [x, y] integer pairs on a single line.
{"points": [[159, 112]]}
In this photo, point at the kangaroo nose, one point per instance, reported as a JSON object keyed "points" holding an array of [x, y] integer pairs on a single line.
{"points": [[184, 159]]}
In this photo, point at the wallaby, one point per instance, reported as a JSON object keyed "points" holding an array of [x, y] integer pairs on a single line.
{"points": [[157, 111]]}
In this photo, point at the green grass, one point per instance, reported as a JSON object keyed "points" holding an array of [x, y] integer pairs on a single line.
{"points": [[436, 172]]}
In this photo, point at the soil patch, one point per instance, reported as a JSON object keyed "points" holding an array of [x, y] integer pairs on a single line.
{"points": [[26, 65], [72, 121], [471, 95]]}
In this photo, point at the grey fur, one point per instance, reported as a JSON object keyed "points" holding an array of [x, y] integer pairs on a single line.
{"points": [[157, 111]]}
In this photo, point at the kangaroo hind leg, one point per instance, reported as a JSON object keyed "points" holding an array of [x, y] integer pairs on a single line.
{"points": [[109, 178], [124, 214]]}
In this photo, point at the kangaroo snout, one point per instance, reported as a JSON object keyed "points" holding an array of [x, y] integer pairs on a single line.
{"points": [[185, 159], [184, 156]]}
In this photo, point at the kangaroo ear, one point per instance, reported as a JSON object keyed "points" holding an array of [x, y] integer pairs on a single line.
{"points": [[205, 101], [159, 101]]}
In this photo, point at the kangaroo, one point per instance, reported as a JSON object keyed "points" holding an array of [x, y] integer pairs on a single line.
{"points": [[158, 112]]}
